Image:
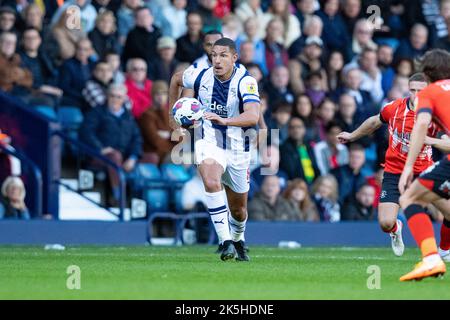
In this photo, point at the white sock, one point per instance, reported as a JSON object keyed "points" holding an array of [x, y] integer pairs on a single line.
{"points": [[434, 258], [219, 214], [237, 228]]}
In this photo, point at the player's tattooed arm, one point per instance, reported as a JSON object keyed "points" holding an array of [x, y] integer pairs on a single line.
{"points": [[248, 118], [366, 128]]}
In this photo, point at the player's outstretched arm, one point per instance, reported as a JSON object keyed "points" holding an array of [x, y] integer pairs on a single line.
{"points": [[367, 127], [176, 84], [442, 144], [248, 118]]}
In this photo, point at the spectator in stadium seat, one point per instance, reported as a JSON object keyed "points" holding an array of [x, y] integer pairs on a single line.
{"points": [[277, 89], [139, 87], [210, 21], [297, 194], [33, 17], [95, 92], [350, 176], [352, 82], [362, 38], [334, 69], [346, 115], [14, 79], [304, 10], [164, 65], [7, 19], [415, 46], [351, 13], [5, 163], [126, 18], [279, 121], [113, 132], [330, 154], [325, 195], [371, 78], [190, 45], [111, 5], [250, 34], [269, 205], [75, 73], [173, 19], [360, 205], [104, 36], [12, 200], [443, 42], [385, 55], [316, 87], [292, 28], [297, 157], [303, 109], [142, 40], [87, 13], [250, 9], [65, 39], [312, 27], [113, 59], [154, 124], [44, 73], [325, 114], [336, 31], [306, 62], [276, 54]]}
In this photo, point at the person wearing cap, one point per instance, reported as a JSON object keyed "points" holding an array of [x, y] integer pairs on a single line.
{"points": [[308, 61], [155, 126], [164, 64]]}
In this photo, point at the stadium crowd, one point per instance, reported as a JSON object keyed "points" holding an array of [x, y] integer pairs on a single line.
{"points": [[323, 67]]}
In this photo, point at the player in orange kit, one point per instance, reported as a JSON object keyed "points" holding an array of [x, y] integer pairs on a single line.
{"points": [[433, 104], [399, 115]]}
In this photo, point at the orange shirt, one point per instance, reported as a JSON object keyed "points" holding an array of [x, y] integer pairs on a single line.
{"points": [[400, 119], [435, 99]]}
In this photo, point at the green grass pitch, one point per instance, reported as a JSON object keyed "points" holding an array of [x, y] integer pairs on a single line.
{"points": [[197, 273]]}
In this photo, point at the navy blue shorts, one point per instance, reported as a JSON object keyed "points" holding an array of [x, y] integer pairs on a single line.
{"points": [[437, 178]]}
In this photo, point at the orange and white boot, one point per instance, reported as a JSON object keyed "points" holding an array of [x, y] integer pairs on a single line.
{"points": [[431, 266]]}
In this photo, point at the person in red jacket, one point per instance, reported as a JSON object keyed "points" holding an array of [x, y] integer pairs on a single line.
{"points": [[138, 86]]}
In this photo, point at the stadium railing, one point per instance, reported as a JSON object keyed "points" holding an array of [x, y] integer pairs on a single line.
{"points": [[87, 150], [36, 173]]}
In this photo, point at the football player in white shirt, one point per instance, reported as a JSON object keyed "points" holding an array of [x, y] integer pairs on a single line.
{"points": [[231, 101]]}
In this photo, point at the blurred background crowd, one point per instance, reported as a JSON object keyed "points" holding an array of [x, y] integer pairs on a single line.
{"points": [[323, 67]]}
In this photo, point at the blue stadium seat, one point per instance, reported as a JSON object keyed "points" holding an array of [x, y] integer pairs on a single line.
{"points": [[48, 111], [157, 200], [174, 173], [70, 117]]}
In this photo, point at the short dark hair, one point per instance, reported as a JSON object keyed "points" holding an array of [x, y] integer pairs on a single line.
{"points": [[330, 125], [282, 106], [419, 76], [435, 64], [226, 42]]}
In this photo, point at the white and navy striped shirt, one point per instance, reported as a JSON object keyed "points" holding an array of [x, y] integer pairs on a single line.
{"points": [[226, 99]]}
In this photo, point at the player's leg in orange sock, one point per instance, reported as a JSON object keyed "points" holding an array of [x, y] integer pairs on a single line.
{"points": [[421, 228], [445, 235]]}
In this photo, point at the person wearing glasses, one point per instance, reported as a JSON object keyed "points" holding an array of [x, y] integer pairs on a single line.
{"points": [[113, 132], [139, 86]]}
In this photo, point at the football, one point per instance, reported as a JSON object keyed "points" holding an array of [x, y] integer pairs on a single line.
{"points": [[187, 112]]}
